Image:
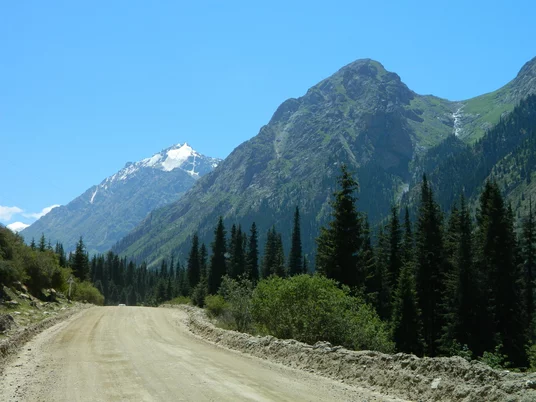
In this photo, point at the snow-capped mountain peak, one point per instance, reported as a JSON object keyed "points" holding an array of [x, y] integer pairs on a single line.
{"points": [[180, 156]]}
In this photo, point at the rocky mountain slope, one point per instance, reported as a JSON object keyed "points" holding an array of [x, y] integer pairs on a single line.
{"points": [[107, 212], [363, 116]]}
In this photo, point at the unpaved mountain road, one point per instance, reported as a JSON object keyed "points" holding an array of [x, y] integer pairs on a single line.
{"points": [[148, 354]]}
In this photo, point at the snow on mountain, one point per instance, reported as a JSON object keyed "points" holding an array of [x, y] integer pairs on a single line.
{"points": [[180, 156], [108, 211]]}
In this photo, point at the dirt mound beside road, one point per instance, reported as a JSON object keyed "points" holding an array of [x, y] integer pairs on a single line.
{"points": [[401, 375]]}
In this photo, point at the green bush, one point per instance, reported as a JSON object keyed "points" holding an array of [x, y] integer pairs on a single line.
{"points": [[85, 291], [237, 293], [179, 300], [215, 305], [312, 309], [199, 293], [495, 359], [531, 353]]}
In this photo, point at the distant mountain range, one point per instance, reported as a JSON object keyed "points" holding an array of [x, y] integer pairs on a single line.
{"points": [[363, 116], [107, 212]]}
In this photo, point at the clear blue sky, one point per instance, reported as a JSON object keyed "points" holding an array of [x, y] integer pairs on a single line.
{"points": [[86, 86]]}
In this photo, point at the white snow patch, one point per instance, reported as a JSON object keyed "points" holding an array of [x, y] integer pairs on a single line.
{"points": [[457, 121], [176, 157], [153, 160], [17, 226], [93, 196]]}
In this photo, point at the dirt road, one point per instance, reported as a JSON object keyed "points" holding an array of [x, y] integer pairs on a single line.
{"points": [[147, 354]]}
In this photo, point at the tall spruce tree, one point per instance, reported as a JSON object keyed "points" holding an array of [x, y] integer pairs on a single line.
{"points": [[339, 244], [42, 243], [252, 259], [295, 263], [193, 268], [395, 248], [500, 278], [203, 255], [406, 320], [430, 266], [270, 251], [80, 261], [279, 268], [218, 263], [238, 258], [528, 244]]}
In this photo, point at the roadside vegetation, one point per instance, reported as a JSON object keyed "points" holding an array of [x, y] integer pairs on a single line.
{"points": [[42, 271], [435, 285]]}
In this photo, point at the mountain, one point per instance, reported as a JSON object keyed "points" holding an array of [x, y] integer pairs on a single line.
{"points": [[363, 116], [107, 212]]}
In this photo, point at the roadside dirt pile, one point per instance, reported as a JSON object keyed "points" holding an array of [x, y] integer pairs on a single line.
{"points": [[401, 375], [26, 317]]}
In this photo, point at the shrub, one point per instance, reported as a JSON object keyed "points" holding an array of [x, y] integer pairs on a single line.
{"points": [[314, 308], [180, 300], [199, 293], [237, 293], [495, 359], [531, 353], [215, 305], [85, 291]]}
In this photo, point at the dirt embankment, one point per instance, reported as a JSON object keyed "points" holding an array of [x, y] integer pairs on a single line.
{"points": [[20, 326], [401, 375]]}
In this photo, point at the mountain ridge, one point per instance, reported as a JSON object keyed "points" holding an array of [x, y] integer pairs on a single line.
{"points": [[363, 116], [107, 211]]}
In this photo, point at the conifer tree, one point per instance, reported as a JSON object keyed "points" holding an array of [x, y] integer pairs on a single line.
{"points": [[269, 258], [203, 255], [252, 261], [305, 266], [408, 244], [80, 263], [529, 270], [218, 263], [295, 257], [193, 268], [279, 268], [32, 244], [430, 266], [395, 249], [497, 262], [339, 244], [238, 260], [380, 286], [42, 243], [406, 321], [163, 269]]}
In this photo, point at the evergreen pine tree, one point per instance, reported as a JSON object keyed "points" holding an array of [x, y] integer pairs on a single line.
{"points": [[295, 257], [279, 268], [218, 263], [252, 260], [42, 243], [203, 255], [80, 262], [406, 321], [238, 260], [269, 258], [395, 249], [193, 268], [529, 270], [500, 273], [339, 244], [430, 266]]}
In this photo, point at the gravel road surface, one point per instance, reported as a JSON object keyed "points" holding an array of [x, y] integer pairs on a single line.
{"points": [[148, 354]]}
